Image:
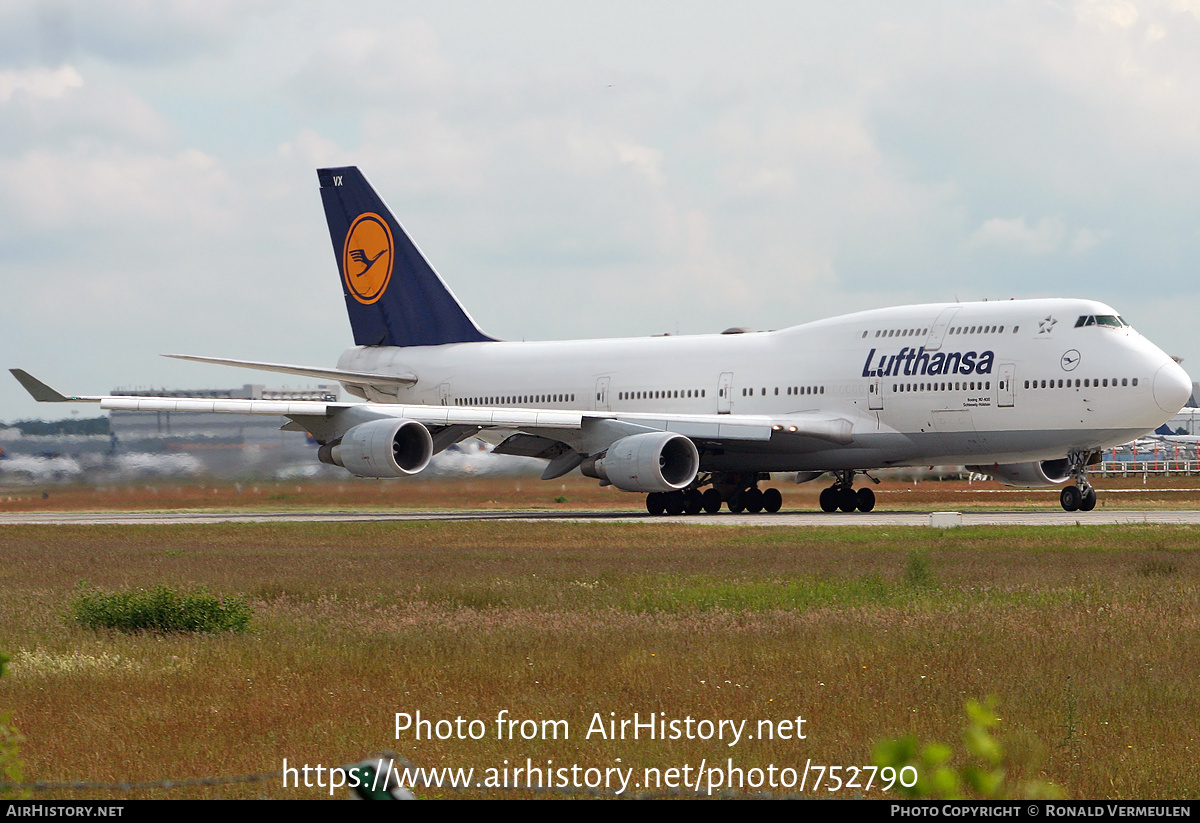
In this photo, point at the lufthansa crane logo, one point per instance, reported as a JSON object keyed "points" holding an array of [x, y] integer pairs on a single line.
{"points": [[367, 257]]}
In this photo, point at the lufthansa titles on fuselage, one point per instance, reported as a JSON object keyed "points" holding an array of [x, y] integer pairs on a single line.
{"points": [[911, 362]]}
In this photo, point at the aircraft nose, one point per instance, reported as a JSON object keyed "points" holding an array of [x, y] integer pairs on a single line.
{"points": [[1172, 387]]}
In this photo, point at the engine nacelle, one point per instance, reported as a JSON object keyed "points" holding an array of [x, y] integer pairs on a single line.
{"points": [[651, 462], [1037, 473], [392, 447]]}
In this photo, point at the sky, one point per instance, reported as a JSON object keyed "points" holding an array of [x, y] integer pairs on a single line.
{"points": [[580, 169]]}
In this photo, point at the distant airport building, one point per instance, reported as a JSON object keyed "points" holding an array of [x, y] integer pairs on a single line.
{"points": [[225, 444], [1186, 422]]}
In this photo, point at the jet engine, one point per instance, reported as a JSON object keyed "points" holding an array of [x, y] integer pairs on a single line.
{"points": [[651, 462], [1037, 473], [391, 447]]}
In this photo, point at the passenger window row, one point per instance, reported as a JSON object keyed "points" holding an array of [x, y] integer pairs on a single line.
{"points": [[961, 385], [515, 400], [951, 330], [791, 391], [1092, 383], [981, 330], [661, 394], [898, 332]]}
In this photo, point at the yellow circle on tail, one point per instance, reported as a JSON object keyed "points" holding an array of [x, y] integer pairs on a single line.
{"points": [[367, 257]]}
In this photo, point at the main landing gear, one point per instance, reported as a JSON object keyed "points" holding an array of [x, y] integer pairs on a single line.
{"points": [[841, 495], [740, 492], [1080, 497]]}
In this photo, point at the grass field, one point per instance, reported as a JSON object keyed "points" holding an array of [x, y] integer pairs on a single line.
{"points": [[568, 493], [1087, 637]]}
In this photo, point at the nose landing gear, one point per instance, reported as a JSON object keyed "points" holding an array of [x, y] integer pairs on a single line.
{"points": [[1081, 496]]}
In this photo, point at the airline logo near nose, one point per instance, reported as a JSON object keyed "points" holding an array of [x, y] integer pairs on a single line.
{"points": [[367, 257]]}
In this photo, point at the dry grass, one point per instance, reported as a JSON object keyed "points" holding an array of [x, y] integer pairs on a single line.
{"points": [[1088, 637], [517, 493]]}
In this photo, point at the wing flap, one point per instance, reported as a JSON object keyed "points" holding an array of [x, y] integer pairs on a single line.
{"points": [[183, 404]]}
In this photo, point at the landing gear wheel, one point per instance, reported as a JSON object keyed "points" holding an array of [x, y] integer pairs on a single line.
{"points": [[829, 499], [655, 503], [866, 500], [675, 503], [712, 501], [1071, 498], [693, 501], [772, 500], [847, 500], [1082, 495], [1089, 500], [737, 503], [754, 500]]}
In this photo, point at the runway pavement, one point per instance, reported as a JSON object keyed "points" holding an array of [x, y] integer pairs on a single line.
{"points": [[1048, 517]]}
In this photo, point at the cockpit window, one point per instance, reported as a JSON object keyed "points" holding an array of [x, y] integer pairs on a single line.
{"points": [[1111, 320]]}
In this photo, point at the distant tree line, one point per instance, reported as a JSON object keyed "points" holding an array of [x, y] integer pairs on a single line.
{"points": [[90, 425]]}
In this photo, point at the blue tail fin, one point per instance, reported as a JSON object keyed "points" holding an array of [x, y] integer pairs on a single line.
{"points": [[393, 296]]}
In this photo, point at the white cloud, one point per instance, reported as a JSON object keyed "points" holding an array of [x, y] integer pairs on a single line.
{"points": [[104, 189], [376, 66], [647, 167], [1016, 236], [1084, 240], [39, 82], [123, 32], [60, 110], [1191, 7], [1114, 12]]}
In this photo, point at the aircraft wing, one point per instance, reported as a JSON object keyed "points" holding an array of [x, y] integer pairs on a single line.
{"points": [[583, 431], [707, 427]]}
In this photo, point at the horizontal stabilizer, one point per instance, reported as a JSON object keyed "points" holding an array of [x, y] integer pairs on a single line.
{"points": [[342, 376]]}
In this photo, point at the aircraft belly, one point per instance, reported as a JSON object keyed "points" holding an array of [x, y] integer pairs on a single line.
{"points": [[883, 450]]}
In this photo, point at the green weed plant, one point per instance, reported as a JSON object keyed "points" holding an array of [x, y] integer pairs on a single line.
{"points": [[10, 750], [161, 610], [984, 773]]}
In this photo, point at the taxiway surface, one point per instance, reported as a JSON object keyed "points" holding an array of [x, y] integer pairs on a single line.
{"points": [[797, 519]]}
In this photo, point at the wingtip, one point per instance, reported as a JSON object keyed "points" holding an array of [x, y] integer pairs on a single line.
{"points": [[39, 390]]}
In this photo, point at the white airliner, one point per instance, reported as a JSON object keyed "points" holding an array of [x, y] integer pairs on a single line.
{"points": [[1028, 391]]}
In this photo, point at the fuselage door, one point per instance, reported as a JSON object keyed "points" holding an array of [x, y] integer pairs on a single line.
{"points": [[602, 394], [938, 330], [875, 394], [725, 393], [1005, 392]]}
